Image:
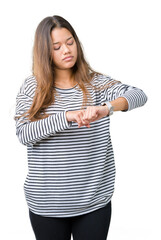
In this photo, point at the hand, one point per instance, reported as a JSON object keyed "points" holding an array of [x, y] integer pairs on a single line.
{"points": [[77, 116], [84, 117], [94, 113]]}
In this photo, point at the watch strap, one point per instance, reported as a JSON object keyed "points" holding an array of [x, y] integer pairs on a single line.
{"points": [[110, 107]]}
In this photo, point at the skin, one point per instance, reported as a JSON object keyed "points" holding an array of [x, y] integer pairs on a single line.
{"points": [[64, 45]]}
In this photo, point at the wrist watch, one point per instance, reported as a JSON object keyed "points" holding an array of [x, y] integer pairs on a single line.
{"points": [[110, 107]]}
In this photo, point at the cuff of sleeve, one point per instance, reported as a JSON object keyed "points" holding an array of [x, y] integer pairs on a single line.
{"points": [[57, 122], [130, 102], [135, 98], [60, 122], [68, 124]]}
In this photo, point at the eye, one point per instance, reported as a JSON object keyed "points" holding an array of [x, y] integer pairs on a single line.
{"points": [[57, 48], [71, 43]]}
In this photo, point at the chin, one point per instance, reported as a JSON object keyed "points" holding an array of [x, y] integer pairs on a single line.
{"points": [[69, 65], [66, 65]]}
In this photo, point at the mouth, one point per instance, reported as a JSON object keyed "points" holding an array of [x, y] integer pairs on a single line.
{"points": [[68, 58]]}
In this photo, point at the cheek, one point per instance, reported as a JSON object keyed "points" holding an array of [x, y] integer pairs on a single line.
{"points": [[75, 50], [56, 57]]}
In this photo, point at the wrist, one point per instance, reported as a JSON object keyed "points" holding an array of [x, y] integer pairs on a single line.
{"points": [[105, 110], [109, 107], [67, 116]]}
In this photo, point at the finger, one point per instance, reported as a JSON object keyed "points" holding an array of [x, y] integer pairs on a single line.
{"points": [[90, 114], [79, 121], [84, 121], [86, 115]]}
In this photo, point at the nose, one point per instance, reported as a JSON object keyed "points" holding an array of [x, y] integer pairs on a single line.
{"points": [[65, 49]]}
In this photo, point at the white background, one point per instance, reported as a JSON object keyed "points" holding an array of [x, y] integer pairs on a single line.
{"points": [[121, 39]]}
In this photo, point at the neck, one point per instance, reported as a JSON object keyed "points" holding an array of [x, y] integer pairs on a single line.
{"points": [[64, 78]]}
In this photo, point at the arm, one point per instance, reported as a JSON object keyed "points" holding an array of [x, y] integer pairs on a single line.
{"points": [[121, 96], [31, 132], [119, 104], [124, 97]]}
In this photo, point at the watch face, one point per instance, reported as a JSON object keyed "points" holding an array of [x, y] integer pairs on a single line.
{"points": [[111, 110]]}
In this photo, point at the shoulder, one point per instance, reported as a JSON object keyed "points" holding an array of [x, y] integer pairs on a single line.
{"points": [[101, 79], [29, 86]]}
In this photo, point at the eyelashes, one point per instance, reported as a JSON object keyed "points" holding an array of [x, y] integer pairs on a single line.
{"points": [[67, 44], [70, 43], [57, 48]]}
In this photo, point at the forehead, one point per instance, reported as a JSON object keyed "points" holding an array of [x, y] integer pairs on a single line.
{"points": [[60, 34]]}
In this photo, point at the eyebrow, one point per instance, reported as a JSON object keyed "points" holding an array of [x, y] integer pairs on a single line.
{"points": [[66, 40]]}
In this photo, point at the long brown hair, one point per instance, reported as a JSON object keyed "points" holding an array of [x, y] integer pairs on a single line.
{"points": [[43, 67]]}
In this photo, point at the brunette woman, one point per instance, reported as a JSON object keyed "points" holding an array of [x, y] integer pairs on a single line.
{"points": [[63, 117]]}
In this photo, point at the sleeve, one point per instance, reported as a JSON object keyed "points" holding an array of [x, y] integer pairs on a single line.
{"points": [[31, 132], [134, 96]]}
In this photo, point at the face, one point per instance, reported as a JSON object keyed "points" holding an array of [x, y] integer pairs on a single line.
{"points": [[64, 51]]}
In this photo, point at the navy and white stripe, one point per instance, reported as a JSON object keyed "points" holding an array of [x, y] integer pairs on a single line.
{"points": [[71, 169]]}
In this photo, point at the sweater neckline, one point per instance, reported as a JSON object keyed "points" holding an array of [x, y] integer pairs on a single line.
{"points": [[66, 89]]}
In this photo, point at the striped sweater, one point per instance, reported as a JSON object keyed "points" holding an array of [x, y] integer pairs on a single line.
{"points": [[71, 170]]}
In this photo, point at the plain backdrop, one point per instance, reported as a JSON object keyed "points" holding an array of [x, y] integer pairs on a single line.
{"points": [[121, 39]]}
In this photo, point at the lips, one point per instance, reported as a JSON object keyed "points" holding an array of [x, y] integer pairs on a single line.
{"points": [[68, 58]]}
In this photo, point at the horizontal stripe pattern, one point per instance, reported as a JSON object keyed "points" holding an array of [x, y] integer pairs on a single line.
{"points": [[71, 170]]}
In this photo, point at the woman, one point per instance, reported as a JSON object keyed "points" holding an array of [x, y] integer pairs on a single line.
{"points": [[63, 116]]}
